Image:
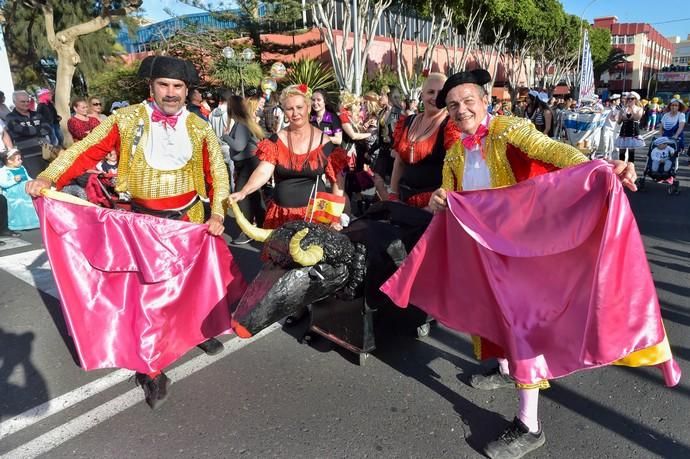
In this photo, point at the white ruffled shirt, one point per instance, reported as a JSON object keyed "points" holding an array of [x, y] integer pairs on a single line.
{"points": [[167, 148], [476, 174]]}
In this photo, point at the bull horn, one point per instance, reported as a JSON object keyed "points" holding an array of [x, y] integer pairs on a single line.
{"points": [[309, 257], [253, 231]]}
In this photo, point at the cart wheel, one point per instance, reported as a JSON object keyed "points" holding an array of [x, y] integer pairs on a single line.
{"points": [[423, 330], [363, 358]]}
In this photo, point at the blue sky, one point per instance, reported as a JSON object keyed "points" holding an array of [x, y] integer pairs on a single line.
{"points": [[658, 14]]}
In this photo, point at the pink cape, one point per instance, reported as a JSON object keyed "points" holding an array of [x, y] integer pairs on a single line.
{"points": [[552, 270], [137, 291]]}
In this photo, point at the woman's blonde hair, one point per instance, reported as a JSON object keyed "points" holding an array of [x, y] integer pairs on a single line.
{"points": [[435, 76], [348, 100], [371, 103], [244, 112], [296, 90]]}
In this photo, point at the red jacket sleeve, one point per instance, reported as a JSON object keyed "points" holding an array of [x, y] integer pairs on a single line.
{"points": [[87, 158]]}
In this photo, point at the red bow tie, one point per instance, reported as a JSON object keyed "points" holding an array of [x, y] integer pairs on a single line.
{"points": [[472, 140], [159, 117]]}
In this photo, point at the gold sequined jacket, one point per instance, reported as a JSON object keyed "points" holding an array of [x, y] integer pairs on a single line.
{"points": [[515, 150], [126, 131]]}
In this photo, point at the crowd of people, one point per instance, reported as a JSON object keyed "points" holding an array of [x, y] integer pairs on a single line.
{"points": [[186, 154]]}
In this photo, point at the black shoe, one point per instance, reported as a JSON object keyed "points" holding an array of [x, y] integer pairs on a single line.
{"points": [[242, 239], [515, 442], [155, 389], [211, 346], [492, 379], [9, 233]]}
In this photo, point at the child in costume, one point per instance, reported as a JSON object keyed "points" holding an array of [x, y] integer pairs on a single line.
{"points": [[13, 176]]}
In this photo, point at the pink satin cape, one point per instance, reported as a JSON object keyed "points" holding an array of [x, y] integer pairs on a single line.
{"points": [[137, 291], [552, 270]]}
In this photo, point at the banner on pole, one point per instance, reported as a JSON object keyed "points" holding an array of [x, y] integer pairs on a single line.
{"points": [[587, 71]]}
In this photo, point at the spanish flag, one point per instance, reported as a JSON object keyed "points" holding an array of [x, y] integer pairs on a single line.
{"points": [[325, 208]]}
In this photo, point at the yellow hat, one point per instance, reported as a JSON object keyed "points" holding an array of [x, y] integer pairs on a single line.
{"points": [[644, 101], [676, 96], [655, 99]]}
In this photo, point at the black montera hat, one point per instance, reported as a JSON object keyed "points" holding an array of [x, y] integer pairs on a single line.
{"points": [[168, 67], [477, 76]]}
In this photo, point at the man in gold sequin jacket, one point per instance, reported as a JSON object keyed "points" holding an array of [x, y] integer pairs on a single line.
{"points": [[169, 159], [495, 152]]}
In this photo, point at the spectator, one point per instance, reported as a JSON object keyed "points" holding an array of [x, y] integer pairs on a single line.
{"points": [[194, 104], [4, 231], [81, 124], [5, 140], [324, 117], [273, 119], [46, 108], [29, 132], [96, 108], [4, 110], [662, 154], [243, 139], [13, 177]]}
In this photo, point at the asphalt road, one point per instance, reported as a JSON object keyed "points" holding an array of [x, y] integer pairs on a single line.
{"points": [[274, 397]]}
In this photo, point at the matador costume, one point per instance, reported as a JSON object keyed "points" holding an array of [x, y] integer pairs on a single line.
{"points": [[203, 176], [536, 272]]}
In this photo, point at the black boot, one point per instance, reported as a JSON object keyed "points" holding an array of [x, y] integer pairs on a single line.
{"points": [[211, 346], [155, 389]]}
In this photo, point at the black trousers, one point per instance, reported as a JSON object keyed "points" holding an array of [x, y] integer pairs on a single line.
{"points": [[631, 154], [253, 206], [3, 214]]}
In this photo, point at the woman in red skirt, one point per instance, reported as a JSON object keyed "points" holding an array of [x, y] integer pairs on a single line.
{"points": [[297, 157], [420, 143]]}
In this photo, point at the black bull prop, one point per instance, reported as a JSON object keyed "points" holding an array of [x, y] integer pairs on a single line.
{"points": [[308, 262]]}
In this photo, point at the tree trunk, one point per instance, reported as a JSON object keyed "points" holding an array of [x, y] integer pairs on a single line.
{"points": [[67, 64]]}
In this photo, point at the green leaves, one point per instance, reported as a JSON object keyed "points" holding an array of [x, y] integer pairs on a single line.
{"points": [[312, 73]]}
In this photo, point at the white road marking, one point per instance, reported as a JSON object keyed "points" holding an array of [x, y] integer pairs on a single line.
{"points": [[49, 408], [12, 243], [33, 268], [56, 437]]}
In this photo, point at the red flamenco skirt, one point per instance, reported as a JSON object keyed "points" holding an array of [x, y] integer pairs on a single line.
{"points": [[420, 200], [277, 215]]}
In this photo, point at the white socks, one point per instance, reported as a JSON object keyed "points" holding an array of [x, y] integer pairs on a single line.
{"points": [[503, 366], [529, 408]]}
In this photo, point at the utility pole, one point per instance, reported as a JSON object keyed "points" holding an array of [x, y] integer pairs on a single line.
{"points": [[356, 49]]}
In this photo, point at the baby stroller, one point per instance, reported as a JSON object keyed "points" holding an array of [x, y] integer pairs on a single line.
{"points": [[661, 176]]}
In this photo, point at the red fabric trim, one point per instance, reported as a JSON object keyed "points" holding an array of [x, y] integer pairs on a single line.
{"points": [[420, 200], [402, 144], [524, 167], [344, 117], [276, 215], [337, 163], [90, 157], [207, 171], [173, 202], [490, 350], [451, 134]]}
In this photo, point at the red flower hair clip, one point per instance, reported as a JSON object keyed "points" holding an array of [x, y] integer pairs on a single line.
{"points": [[304, 89]]}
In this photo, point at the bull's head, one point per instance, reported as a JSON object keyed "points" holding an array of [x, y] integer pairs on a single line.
{"points": [[309, 257], [292, 276]]}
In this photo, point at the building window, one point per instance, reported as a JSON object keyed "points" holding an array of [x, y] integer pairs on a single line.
{"points": [[630, 39]]}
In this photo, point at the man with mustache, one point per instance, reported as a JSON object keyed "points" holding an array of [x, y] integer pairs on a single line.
{"points": [[170, 163]]}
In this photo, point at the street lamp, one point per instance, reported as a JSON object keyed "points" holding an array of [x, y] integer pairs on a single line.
{"points": [[625, 71], [247, 55]]}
